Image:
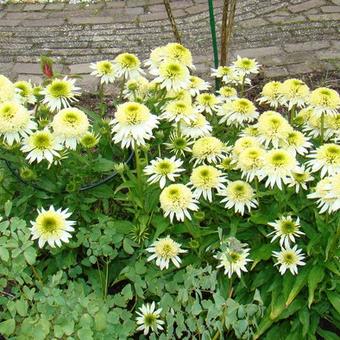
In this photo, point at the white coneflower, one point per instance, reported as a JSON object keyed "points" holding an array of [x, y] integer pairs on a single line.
{"points": [[325, 158], [26, 91], [250, 161], [227, 94], [228, 74], [165, 250], [179, 53], [207, 102], [157, 56], [333, 195], [240, 195], [7, 90], [325, 101], [204, 179], [136, 89], [176, 201], [208, 149], [289, 258], [272, 128], [325, 198], [198, 127], [60, 93], [278, 167], [233, 258], [238, 112], [69, 126], [105, 70], [178, 144], [162, 169], [41, 145], [294, 92], [245, 66], [244, 143], [173, 76], [299, 178], [15, 122], [133, 124], [197, 85], [285, 229], [149, 319], [52, 226], [127, 65], [177, 111], [296, 142], [271, 94]]}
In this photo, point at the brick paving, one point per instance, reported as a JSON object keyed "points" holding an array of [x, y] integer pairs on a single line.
{"points": [[288, 37]]}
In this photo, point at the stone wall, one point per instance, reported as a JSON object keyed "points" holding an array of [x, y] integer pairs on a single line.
{"points": [[288, 37]]}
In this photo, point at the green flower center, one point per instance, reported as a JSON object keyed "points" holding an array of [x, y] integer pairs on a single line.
{"points": [[288, 227], [59, 89], [180, 143], [164, 167], [42, 141], [289, 259], [8, 111], [234, 257], [49, 224], [150, 319], [71, 118]]}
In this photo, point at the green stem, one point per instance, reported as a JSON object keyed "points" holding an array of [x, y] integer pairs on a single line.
{"points": [[322, 127], [36, 274], [106, 278], [292, 114], [242, 85]]}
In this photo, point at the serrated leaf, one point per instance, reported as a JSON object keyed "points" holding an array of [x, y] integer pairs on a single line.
{"points": [[100, 321], [30, 255], [7, 327], [21, 306], [4, 254]]}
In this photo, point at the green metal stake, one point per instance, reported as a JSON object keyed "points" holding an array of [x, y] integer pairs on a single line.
{"points": [[213, 37]]}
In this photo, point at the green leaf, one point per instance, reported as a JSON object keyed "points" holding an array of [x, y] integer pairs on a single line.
{"points": [[4, 254], [8, 208], [127, 246], [7, 327], [300, 282], [327, 335], [315, 276], [334, 299], [304, 319], [30, 255], [21, 306], [100, 321]]}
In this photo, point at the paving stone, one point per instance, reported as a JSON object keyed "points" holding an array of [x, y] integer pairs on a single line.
{"points": [[275, 72], [35, 79], [254, 23], [34, 7], [287, 20], [153, 16], [10, 22], [330, 9], [306, 46], [304, 6], [43, 23], [54, 7], [5, 68], [300, 68], [324, 17], [258, 52], [80, 68], [90, 20], [14, 7], [27, 68], [26, 15]]}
